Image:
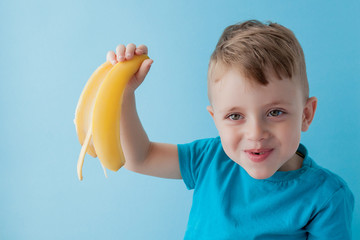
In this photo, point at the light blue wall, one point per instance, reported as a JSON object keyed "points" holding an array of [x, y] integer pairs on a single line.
{"points": [[48, 49]]}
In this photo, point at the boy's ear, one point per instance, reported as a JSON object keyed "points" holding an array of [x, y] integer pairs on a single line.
{"points": [[210, 110], [308, 113]]}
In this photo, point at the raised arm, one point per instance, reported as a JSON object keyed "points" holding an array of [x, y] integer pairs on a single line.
{"points": [[141, 155]]}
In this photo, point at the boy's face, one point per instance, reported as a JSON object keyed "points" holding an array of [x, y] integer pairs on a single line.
{"points": [[260, 126]]}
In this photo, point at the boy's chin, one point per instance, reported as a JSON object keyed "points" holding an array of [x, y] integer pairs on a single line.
{"points": [[260, 174]]}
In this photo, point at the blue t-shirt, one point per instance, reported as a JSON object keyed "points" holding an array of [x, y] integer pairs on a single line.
{"points": [[308, 203]]}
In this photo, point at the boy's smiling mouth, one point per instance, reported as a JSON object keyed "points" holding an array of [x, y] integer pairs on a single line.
{"points": [[258, 155]]}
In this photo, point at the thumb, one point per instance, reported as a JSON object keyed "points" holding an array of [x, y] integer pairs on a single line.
{"points": [[143, 70]]}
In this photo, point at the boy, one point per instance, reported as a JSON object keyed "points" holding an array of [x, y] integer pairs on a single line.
{"points": [[254, 181]]}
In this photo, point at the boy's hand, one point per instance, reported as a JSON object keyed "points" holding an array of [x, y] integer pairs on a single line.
{"points": [[126, 53]]}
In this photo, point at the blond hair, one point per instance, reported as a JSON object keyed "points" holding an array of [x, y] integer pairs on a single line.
{"points": [[256, 49]]}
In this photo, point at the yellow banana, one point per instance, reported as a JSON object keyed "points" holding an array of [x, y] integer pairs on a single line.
{"points": [[83, 113], [97, 116]]}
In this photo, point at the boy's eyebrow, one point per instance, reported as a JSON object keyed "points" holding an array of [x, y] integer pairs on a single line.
{"points": [[232, 109], [274, 103], [278, 102]]}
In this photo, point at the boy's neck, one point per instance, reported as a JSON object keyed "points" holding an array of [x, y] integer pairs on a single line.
{"points": [[294, 163]]}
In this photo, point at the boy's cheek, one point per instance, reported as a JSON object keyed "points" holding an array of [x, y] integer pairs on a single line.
{"points": [[230, 139]]}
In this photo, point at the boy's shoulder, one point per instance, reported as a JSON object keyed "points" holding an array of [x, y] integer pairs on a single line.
{"points": [[328, 177], [327, 191], [324, 180], [203, 145]]}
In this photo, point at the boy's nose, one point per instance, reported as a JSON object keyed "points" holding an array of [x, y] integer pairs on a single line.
{"points": [[256, 130]]}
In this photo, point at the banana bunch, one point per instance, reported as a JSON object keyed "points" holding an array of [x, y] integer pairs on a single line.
{"points": [[97, 115]]}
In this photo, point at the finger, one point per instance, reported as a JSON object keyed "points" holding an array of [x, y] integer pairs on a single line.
{"points": [[142, 49], [120, 52], [130, 49], [110, 57], [144, 69]]}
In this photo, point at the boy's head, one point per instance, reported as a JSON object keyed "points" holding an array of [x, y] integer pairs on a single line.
{"points": [[259, 96], [257, 49]]}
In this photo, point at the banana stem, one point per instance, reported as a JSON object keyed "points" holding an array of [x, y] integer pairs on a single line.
{"points": [[83, 152]]}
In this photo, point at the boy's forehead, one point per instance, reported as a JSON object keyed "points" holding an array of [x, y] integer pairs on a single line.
{"points": [[218, 72], [233, 84]]}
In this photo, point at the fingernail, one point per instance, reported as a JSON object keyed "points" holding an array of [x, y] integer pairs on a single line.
{"points": [[121, 58], [113, 62]]}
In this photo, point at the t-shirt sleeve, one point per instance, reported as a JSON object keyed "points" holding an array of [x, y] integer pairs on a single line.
{"points": [[333, 221], [193, 156]]}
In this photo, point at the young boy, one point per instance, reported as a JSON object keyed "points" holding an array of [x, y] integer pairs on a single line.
{"points": [[254, 181]]}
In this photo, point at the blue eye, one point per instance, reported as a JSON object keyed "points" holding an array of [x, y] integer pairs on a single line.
{"points": [[275, 113], [234, 116]]}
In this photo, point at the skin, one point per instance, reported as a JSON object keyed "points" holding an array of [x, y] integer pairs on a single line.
{"points": [[254, 122], [264, 119], [126, 53]]}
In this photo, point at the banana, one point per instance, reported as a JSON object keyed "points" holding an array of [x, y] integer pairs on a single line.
{"points": [[97, 116], [83, 113]]}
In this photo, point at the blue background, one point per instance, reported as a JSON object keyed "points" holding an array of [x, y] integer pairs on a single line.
{"points": [[50, 48]]}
